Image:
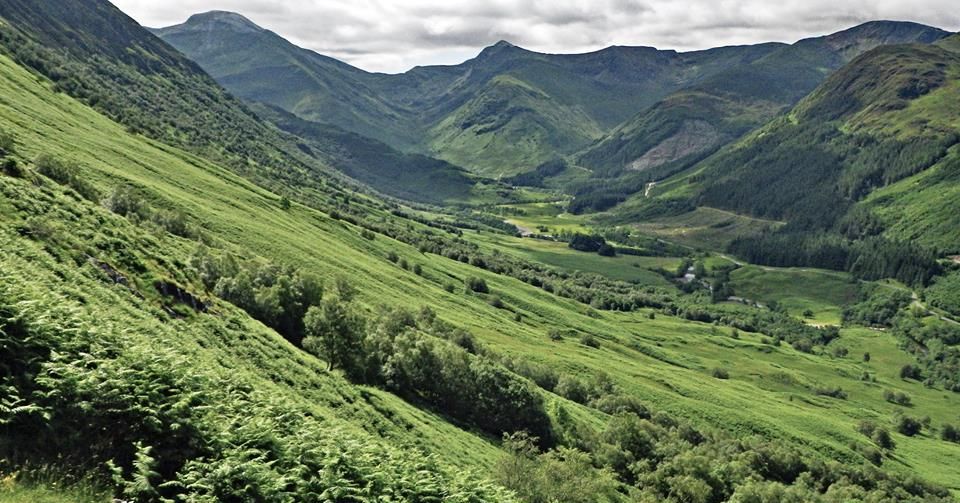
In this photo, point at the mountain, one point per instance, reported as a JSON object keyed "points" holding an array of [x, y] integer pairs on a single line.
{"points": [[694, 122], [413, 177], [217, 316], [455, 112], [251, 61]]}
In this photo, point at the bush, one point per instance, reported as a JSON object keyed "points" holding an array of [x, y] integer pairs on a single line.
{"points": [[497, 302], [950, 433], [897, 397], [909, 426], [7, 143], [67, 174], [883, 439], [720, 373], [589, 341], [836, 392], [477, 285], [606, 250], [392, 256], [910, 372]]}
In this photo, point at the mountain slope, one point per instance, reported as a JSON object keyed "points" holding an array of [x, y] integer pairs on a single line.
{"points": [[743, 97], [424, 109], [146, 297], [250, 61], [836, 146], [509, 126], [412, 177]]}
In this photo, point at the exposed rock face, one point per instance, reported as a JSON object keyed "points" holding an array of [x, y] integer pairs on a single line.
{"points": [[694, 137]]}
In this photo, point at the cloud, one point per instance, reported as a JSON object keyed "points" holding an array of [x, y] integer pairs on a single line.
{"points": [[395, 35]]}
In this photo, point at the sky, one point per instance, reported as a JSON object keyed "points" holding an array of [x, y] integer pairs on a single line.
{"points": [[396, 35]]}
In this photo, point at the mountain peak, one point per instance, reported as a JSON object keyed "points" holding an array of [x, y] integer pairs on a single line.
{"points": [[218, 17]]}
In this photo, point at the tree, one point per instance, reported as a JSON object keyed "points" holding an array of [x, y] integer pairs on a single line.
{"points": [[334, 332], [475, 284], [909, 426], [950, 433]]}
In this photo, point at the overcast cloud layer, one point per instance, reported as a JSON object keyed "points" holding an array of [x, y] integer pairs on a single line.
{"points": [[395, 35]]}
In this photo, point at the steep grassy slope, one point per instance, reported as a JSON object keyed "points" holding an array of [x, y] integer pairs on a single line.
{"points": [[664, 361], [251, 61], [508, 127], [870, 152], [408, 176]]}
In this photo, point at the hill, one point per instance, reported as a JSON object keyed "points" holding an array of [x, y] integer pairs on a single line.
{"points": [[172, 329], [559, 99], [687, 126], [851, 170]]}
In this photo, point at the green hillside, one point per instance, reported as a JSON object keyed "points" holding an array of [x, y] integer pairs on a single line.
{"points": [[56, 225], [408, 176], [508, 127], [432, 109], [687, 126], [220, 317]]}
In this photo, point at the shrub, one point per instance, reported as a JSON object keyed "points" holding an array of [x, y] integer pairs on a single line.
{"points": [[67, 174], [12, 168], [589, 341], [555, 334], [836, 392], [606, 250], [475, 284], [497, 302], [720, 373], [7, 143], [124, 201], [950, 433], [897, 397], [910, 372], [909, 426], [392, 256], [883, 439], [418, 269]]}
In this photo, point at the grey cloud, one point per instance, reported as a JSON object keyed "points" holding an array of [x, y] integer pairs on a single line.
{"points": [[394, 35]]}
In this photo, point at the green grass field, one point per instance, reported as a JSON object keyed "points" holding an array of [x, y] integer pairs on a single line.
{"points": [[559, 255], [822, 292]]}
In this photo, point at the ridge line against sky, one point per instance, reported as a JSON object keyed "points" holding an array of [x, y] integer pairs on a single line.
{"points": [[393, 36]]}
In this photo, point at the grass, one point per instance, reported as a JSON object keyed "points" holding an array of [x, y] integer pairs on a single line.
{"points": [[824, 293], [664, 361], [706, 228], [15, 490], [560, 256]]}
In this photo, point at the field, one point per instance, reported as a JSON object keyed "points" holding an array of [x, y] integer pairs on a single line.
{"points": [[705, 228], [824, 293], [559, 255]]}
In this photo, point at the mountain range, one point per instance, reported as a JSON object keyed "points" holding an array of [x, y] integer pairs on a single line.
{"points": [[510, 109], [714, 276]]}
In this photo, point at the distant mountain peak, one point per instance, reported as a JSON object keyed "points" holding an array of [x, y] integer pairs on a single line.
{"points": [[218, 17], [499, 48]]}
